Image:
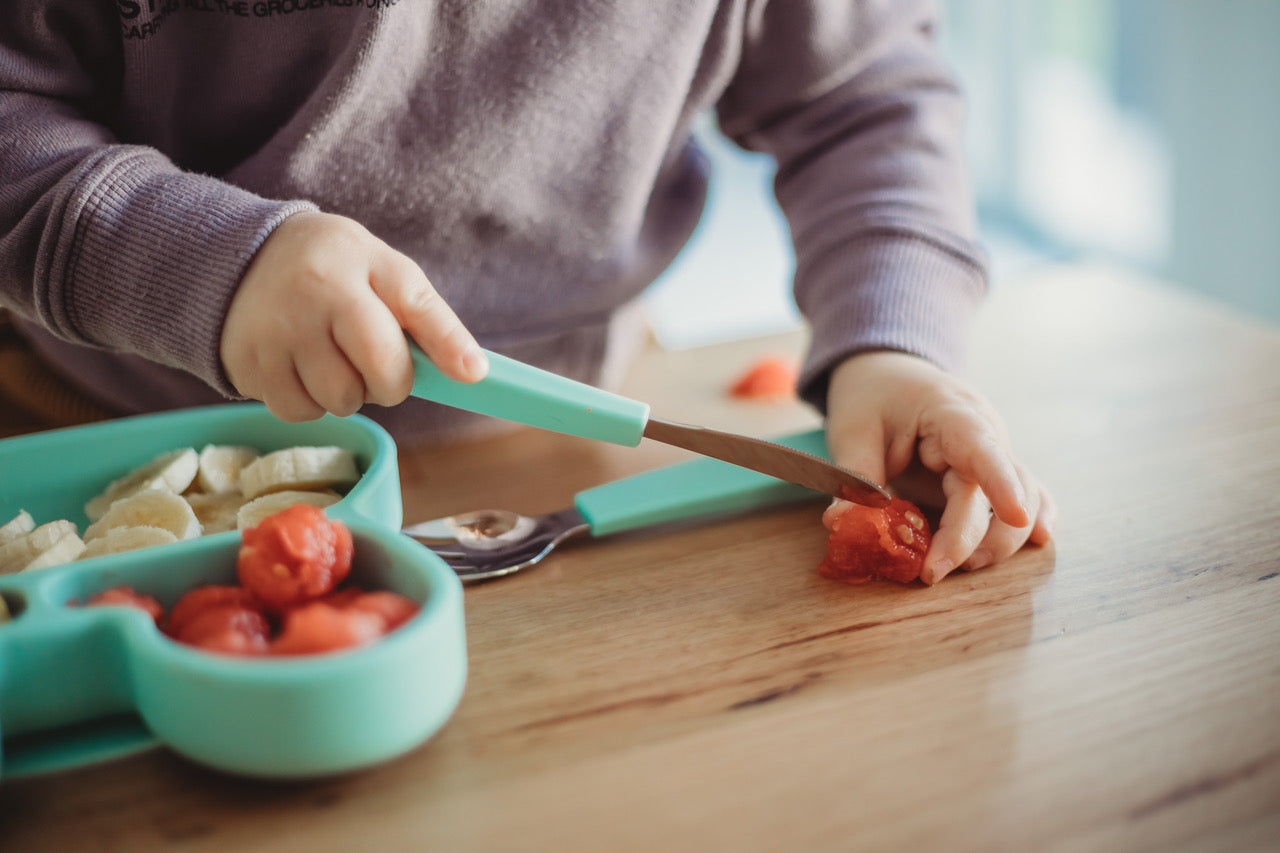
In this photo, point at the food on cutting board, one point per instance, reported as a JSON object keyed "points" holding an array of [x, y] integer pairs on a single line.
{"points": [[182, 494], [769, 378], [867, 543], [288, 601]]}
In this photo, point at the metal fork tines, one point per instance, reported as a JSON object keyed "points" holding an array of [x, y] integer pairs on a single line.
{"points": [[490, 543]]}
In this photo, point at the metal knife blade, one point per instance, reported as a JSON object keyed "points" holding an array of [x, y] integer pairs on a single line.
{"points": [[785, 463]]}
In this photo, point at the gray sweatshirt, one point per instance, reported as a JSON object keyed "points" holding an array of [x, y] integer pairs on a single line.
{"points": [[533, 156]]}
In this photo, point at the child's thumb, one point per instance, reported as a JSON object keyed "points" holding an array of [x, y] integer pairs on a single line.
{"points": [[859, 446]]}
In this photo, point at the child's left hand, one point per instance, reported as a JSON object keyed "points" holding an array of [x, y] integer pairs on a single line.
{"points": [[889, 412]]}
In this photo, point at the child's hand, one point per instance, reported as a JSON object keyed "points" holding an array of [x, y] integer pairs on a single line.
{"points": [[889, 412], [318, 322]]}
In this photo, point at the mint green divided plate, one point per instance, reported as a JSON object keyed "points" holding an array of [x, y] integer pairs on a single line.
{"points": [[79, 685]]}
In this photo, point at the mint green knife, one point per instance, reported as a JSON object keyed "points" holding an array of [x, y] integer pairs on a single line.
{"points": [[519, 392]]}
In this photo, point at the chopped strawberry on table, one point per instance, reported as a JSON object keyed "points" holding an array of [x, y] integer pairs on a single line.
{"points": [[868, 543]]}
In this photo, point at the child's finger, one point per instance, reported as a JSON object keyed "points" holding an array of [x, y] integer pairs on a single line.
{"points": [[964, 523], [329, 379], [1046, 519], [859, 446], [285, 395], [971, 447], [424, 314], [1003, 540], [374, 344]]}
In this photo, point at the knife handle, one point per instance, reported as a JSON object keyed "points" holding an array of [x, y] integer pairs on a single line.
{"points": [[699, 487], [520, 392]]}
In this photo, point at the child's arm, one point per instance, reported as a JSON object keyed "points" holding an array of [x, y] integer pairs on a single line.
{"points": [[316, 323], [105, 244], [889, 412], [114, 246], [865, 122]]}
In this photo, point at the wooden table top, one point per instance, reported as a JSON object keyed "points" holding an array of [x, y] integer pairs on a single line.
{"points": [[701, 688]]}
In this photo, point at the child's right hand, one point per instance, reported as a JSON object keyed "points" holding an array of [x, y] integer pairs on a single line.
{"points": [[317, 324]]}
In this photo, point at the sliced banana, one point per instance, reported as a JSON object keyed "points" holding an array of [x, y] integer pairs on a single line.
{"points": [[152, 508], [16, 554], [20, 525], [170, 472], [220, 467], [5, 615], [216, 512], [121, 539], [65, 550], [179, 495], [252, 513], [298, 469]]}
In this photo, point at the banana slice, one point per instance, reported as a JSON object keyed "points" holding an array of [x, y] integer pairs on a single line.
{"points": [[259, 508], [152, 508], [15, 555], [220, 466], [118, 540], [20, 525], [298, 469], [173, 471], [216, 512], [5, 615], [65, 550]]}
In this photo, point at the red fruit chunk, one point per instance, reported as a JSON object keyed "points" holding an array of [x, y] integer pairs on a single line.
{"points": [[125, 596], [772, 377], [202, 598], [342, 597], [294, 556], [393, 608], [868, 543], [320, 627], [229, 629]]}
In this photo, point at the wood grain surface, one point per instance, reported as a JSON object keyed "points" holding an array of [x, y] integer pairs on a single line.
{"points": [[699, 687]]}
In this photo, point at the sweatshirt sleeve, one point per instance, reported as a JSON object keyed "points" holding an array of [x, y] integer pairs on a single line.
{"points": [[105, 244], [865, 124]]}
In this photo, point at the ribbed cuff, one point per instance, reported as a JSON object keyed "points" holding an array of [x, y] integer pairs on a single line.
{"points": [[149, 257], [887, 289]]}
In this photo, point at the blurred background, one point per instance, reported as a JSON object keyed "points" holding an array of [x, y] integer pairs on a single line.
{"points": [[1144, 133]]}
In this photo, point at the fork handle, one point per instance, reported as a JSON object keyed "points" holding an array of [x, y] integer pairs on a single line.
{"points": [[520, 392], [699, 487]]}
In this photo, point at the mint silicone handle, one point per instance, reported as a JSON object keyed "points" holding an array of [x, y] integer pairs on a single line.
{"points": [[520, 392], [698, 487]]}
